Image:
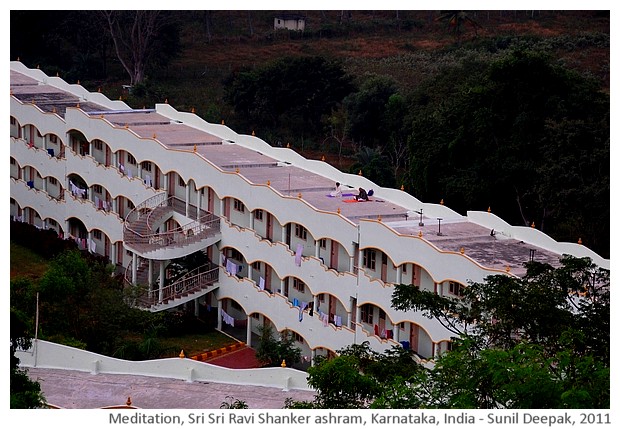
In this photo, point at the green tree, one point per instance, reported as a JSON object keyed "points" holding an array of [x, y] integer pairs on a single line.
{"points": [[374, 166], [522, 342], [522, 134], [24, 393], [289, 97], [273, 351], [366, 110]]}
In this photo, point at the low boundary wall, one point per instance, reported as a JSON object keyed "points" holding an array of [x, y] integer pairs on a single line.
{"points": [[44, 354]]}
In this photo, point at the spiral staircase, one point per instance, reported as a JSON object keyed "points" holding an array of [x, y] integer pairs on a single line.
{"points": [[145, 233]]}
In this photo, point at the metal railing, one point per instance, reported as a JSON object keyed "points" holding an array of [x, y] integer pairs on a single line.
{"points": [[194, 281], [150, 212]]}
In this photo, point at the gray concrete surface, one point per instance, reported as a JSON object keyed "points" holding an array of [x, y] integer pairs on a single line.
{"points": [[82, 390]]}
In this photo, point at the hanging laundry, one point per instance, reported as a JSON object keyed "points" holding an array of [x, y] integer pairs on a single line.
{"points": [[325, 319], [148, 181], [337, 320], [223, 258], [300, 249], [231, 268], [229, 320], [302, 307], [295, 302], [377, 330], [261, 283]]}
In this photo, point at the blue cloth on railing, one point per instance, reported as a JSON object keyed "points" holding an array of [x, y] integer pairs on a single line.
{"points": [[405, 344], [50, 152], [295, 302], [30, 184]]}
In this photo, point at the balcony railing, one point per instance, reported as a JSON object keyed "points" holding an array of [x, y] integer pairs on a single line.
{"points": [[142, 220], [194, 281]]}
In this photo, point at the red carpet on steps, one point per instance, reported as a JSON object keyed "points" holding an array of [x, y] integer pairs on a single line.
{"points": [[244, 358]]}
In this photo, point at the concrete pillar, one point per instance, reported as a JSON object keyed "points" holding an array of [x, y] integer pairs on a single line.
{"points": [[187, 199], [134, 269], [222, 211], [150, 273], [313, 357], [250, 271], [317, 248], [283, 287], [219, 314], [166, 183], [113, 253], [252, 220], [248, 333], [162, 278], [198, 203], [399, 274], [396, 330], [315, 302], [196, 307]]}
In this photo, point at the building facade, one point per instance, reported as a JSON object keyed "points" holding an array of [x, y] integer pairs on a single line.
{"points": [[147, 187]]}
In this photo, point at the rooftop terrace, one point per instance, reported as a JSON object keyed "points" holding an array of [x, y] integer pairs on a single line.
{"points": [[456, 233]]}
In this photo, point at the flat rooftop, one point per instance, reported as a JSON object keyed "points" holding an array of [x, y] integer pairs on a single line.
{"points": [[477, 242]]}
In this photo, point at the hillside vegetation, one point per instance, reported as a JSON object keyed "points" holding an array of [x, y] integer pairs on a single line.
{"points": [[507, 109]]}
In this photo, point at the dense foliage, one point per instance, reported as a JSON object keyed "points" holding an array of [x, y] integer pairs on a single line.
{"points": [[541, 341], [82, 304], [501, 120], [24, 392], [275, 350]]}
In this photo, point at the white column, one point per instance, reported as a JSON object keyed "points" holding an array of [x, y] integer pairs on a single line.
{"points": [[396, 330], [252, 220], [162, 278], [250, 271], [198, 203], [317, 248], [134, 268], [113, 253], [282, 287], [150, 273], [219, 314], [248, 333], [221, 213], [313, 357], [166, 183], [187, 199], [315, 302], [399, 274], [351, 263]]}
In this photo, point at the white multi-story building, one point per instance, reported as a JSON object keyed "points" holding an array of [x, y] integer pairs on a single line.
{"points": [[146, 187]]}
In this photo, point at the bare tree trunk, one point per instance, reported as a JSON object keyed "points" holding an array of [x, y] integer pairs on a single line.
{"points": [[208, 25], [133, 44], [250, 23]]}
